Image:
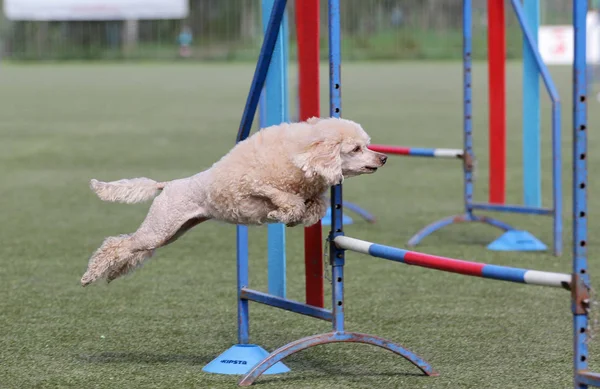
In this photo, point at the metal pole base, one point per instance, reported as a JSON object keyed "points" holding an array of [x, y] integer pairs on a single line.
{"points": [[464, 218], [333, 337]]}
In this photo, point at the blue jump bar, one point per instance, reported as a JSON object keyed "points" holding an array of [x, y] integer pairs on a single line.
{"points": [[288, 305], [512, 208]]}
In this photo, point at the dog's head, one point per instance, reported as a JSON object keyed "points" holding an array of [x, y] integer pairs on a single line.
{"points": [[338, 150]]}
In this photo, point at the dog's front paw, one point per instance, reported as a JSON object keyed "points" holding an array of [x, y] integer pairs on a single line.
{"points": [[281, 217], [315, 211], [290, 216], [274, 216]]}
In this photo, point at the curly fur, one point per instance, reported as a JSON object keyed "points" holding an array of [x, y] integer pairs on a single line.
{"points": [[278, 175], [127, 191]]}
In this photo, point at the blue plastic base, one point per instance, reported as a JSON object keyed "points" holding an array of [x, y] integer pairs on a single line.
{"points": [[516, 240], [239, 359], [326, 221]]}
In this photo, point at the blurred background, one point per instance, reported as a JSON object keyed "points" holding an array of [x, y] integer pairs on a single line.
{"points": [[231, 30]]}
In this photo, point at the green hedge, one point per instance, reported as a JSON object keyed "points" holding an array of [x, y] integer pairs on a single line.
{"points": [[402, 44]]}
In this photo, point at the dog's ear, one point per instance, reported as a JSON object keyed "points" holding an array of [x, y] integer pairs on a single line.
{"points": [[322, 158]]}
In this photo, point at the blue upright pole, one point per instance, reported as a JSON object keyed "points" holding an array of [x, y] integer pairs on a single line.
{"points": [[285, 32], [580, 188], [262, 67], [335, 110], [276, 100], [262, 110], [239, 358], [242, 281], [532, 177], [467, 107]]}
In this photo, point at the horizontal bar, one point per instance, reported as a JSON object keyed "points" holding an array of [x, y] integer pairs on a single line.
{"points": [[418, 152], [476, 269], [288, 305], [588, 378], [512, 208]]}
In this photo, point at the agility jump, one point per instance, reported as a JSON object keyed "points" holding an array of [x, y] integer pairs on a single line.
{"points": [[533, 67], [578, 282]]}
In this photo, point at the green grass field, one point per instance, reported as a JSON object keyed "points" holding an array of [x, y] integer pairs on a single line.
{"points": [[61, 125]]}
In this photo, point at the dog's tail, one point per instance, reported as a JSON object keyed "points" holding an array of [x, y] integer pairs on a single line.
{"points": [[127, 191]]}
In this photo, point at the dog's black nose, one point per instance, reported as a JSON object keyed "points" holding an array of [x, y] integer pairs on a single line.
{"points": [[383, 159]]}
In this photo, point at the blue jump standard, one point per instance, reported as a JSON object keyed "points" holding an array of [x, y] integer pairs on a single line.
{"points": [[517, 240]]}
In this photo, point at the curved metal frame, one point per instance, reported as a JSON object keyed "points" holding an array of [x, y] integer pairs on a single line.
{"points": [[333, 337], [464, 218]]}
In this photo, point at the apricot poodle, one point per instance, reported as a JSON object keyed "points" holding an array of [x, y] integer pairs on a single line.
{"points": [[278, 175]]}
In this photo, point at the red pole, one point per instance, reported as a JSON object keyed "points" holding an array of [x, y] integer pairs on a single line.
{"points": [[307, 32], [497, 100]]}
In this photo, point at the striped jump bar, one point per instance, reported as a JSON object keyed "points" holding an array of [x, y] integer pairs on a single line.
{"points": [[418, 152], [503, 273]]}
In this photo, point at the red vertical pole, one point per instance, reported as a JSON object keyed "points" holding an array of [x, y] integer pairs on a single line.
{"points": [[497, 100], [307, 32]]}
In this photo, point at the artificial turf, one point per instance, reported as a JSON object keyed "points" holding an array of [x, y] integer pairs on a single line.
{"points": [[62, 124]]}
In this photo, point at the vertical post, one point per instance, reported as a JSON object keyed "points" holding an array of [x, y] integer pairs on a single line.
{"points": [[262, 110], [243, 351], [532, 176], [467, 105], [260, 72], [258, 81], [580, 211], [276, 100], [557, 193], [497, 100], [335, 96], [242, 281], [307, 32], [285, 32]]}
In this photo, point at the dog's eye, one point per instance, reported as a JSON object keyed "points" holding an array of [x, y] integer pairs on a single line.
{"points": [[356, 149]]}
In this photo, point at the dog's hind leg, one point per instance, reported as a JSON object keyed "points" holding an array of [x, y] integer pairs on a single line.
{"points": [[167, 219], [134, 261], [110, 254], [140, 256]]}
